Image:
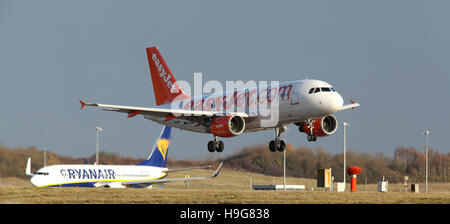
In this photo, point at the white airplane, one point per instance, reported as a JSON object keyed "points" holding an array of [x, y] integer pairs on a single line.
{"points": [[309, 104], [150, 171]]}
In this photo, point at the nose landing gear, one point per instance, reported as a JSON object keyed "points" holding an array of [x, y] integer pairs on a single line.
{"points": [[311, 137]]}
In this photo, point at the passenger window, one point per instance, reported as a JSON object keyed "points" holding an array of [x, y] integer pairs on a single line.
{"points": [[333, 90], [311, 90], [325, 89], [317, 90]]}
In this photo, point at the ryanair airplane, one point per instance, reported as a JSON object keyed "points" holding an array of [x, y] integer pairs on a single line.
{"points": [[150, 171]]}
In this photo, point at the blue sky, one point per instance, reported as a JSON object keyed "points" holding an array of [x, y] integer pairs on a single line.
{"points": [[390, 56]]}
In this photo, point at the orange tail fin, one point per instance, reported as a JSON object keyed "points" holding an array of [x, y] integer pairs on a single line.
{"points": [[165, 86]]}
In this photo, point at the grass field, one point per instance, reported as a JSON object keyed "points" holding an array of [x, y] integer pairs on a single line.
{"points": [[229, 187]]}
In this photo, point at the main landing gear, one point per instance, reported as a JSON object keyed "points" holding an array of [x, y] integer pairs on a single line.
{"points": [[277, 144], [215, 145]]}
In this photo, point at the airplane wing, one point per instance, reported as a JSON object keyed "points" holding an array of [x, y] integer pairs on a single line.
{"points": [[214, 175], [160, 112], [348, 106]]}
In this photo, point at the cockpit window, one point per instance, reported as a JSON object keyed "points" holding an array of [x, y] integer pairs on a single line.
{"points": [[321, 89], [41, 173]]}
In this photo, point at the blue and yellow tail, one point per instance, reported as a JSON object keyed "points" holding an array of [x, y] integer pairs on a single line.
{"points": [[158, 157]]}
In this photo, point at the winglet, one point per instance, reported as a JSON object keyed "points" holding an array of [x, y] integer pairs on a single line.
{"points": [[28, 168], [353, 102], [83, 104], [352, 105], [216, 173]]}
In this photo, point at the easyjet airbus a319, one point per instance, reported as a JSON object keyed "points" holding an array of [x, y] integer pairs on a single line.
{"points": [[309, 104]]}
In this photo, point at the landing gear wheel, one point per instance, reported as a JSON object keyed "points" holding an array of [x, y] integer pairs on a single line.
{"points": [[215, 145], [211, 146], [277, 144], [282, 146], [311, 138], [220, 147], [274, 146]]}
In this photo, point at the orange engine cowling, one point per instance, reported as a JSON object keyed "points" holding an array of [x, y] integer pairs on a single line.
{"points": [[227, 126], [322, 126]]}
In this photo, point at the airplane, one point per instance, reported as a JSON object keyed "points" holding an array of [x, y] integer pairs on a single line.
{"points": [[309, 104], [150, 171]]}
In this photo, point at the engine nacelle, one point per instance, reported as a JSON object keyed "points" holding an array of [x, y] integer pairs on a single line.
{"points": [[227, 126], [323, 126]]}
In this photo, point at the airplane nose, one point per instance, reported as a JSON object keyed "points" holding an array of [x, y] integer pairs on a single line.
{"points": [[35, 180]]}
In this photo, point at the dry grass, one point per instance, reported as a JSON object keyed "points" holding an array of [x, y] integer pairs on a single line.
{"points": [[229, 187]]}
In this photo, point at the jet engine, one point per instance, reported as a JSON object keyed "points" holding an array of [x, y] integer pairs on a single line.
{"points": [[227, 126], [321, 127]]}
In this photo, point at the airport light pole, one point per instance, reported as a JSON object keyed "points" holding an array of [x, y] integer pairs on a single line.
{"points": [[284, 168], [426, 133], [345, 149], [97, 129]]}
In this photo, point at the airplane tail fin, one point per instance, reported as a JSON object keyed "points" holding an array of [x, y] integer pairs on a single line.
{"points": [[165, 86], [216, 173], [158, 157]]}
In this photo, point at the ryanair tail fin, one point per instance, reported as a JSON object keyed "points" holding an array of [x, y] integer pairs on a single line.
{"points": [[216, 173], [165, 86], [158, 157]]}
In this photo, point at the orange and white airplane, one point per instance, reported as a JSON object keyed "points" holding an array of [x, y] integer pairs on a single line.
{"points": [[309, 104]]}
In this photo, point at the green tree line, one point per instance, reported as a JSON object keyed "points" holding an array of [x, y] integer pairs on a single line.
{"points": [[300, 162]]}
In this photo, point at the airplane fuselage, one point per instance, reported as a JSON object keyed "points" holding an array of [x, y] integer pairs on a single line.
{"points": [[290, 101], [84, 175]]}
